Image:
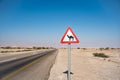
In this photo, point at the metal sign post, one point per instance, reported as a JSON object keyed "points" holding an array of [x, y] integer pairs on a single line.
{"points": [[69, 61]]}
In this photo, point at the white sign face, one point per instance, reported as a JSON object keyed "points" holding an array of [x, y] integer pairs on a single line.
{"points": [[69, 36]]}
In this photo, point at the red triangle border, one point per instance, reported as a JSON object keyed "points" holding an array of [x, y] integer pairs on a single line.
{"points": [[69, 42]]}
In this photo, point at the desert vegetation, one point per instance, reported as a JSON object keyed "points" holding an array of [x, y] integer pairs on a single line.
{"points": [[8, 49], [82, 48], [100, 55], [78, 47], [107, 48]]}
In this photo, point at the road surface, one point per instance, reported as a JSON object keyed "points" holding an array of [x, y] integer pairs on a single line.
{"points": [[32, 67]]}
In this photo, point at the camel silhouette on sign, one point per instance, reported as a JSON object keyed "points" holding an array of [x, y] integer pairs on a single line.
{"points": [[70, 37]]}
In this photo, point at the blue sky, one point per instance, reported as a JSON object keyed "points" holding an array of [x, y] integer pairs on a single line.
{"points": [[43, 22]]}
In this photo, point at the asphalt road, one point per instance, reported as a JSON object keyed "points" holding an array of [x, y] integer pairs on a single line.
{"points": [[14, 69], [6, 58]]}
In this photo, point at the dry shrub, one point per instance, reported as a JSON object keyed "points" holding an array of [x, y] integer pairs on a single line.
{"points": [[100, 55]]}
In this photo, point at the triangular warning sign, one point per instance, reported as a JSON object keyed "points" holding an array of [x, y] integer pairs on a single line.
{"points": [[69, 37]]}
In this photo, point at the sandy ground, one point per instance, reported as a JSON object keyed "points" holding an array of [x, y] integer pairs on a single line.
{"points": [[87, 67]]}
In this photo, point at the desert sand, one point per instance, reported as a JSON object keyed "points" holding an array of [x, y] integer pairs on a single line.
{"points": [[85, 66]]}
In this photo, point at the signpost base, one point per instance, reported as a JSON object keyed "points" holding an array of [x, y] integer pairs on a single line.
{"points": [[66, 72]]}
